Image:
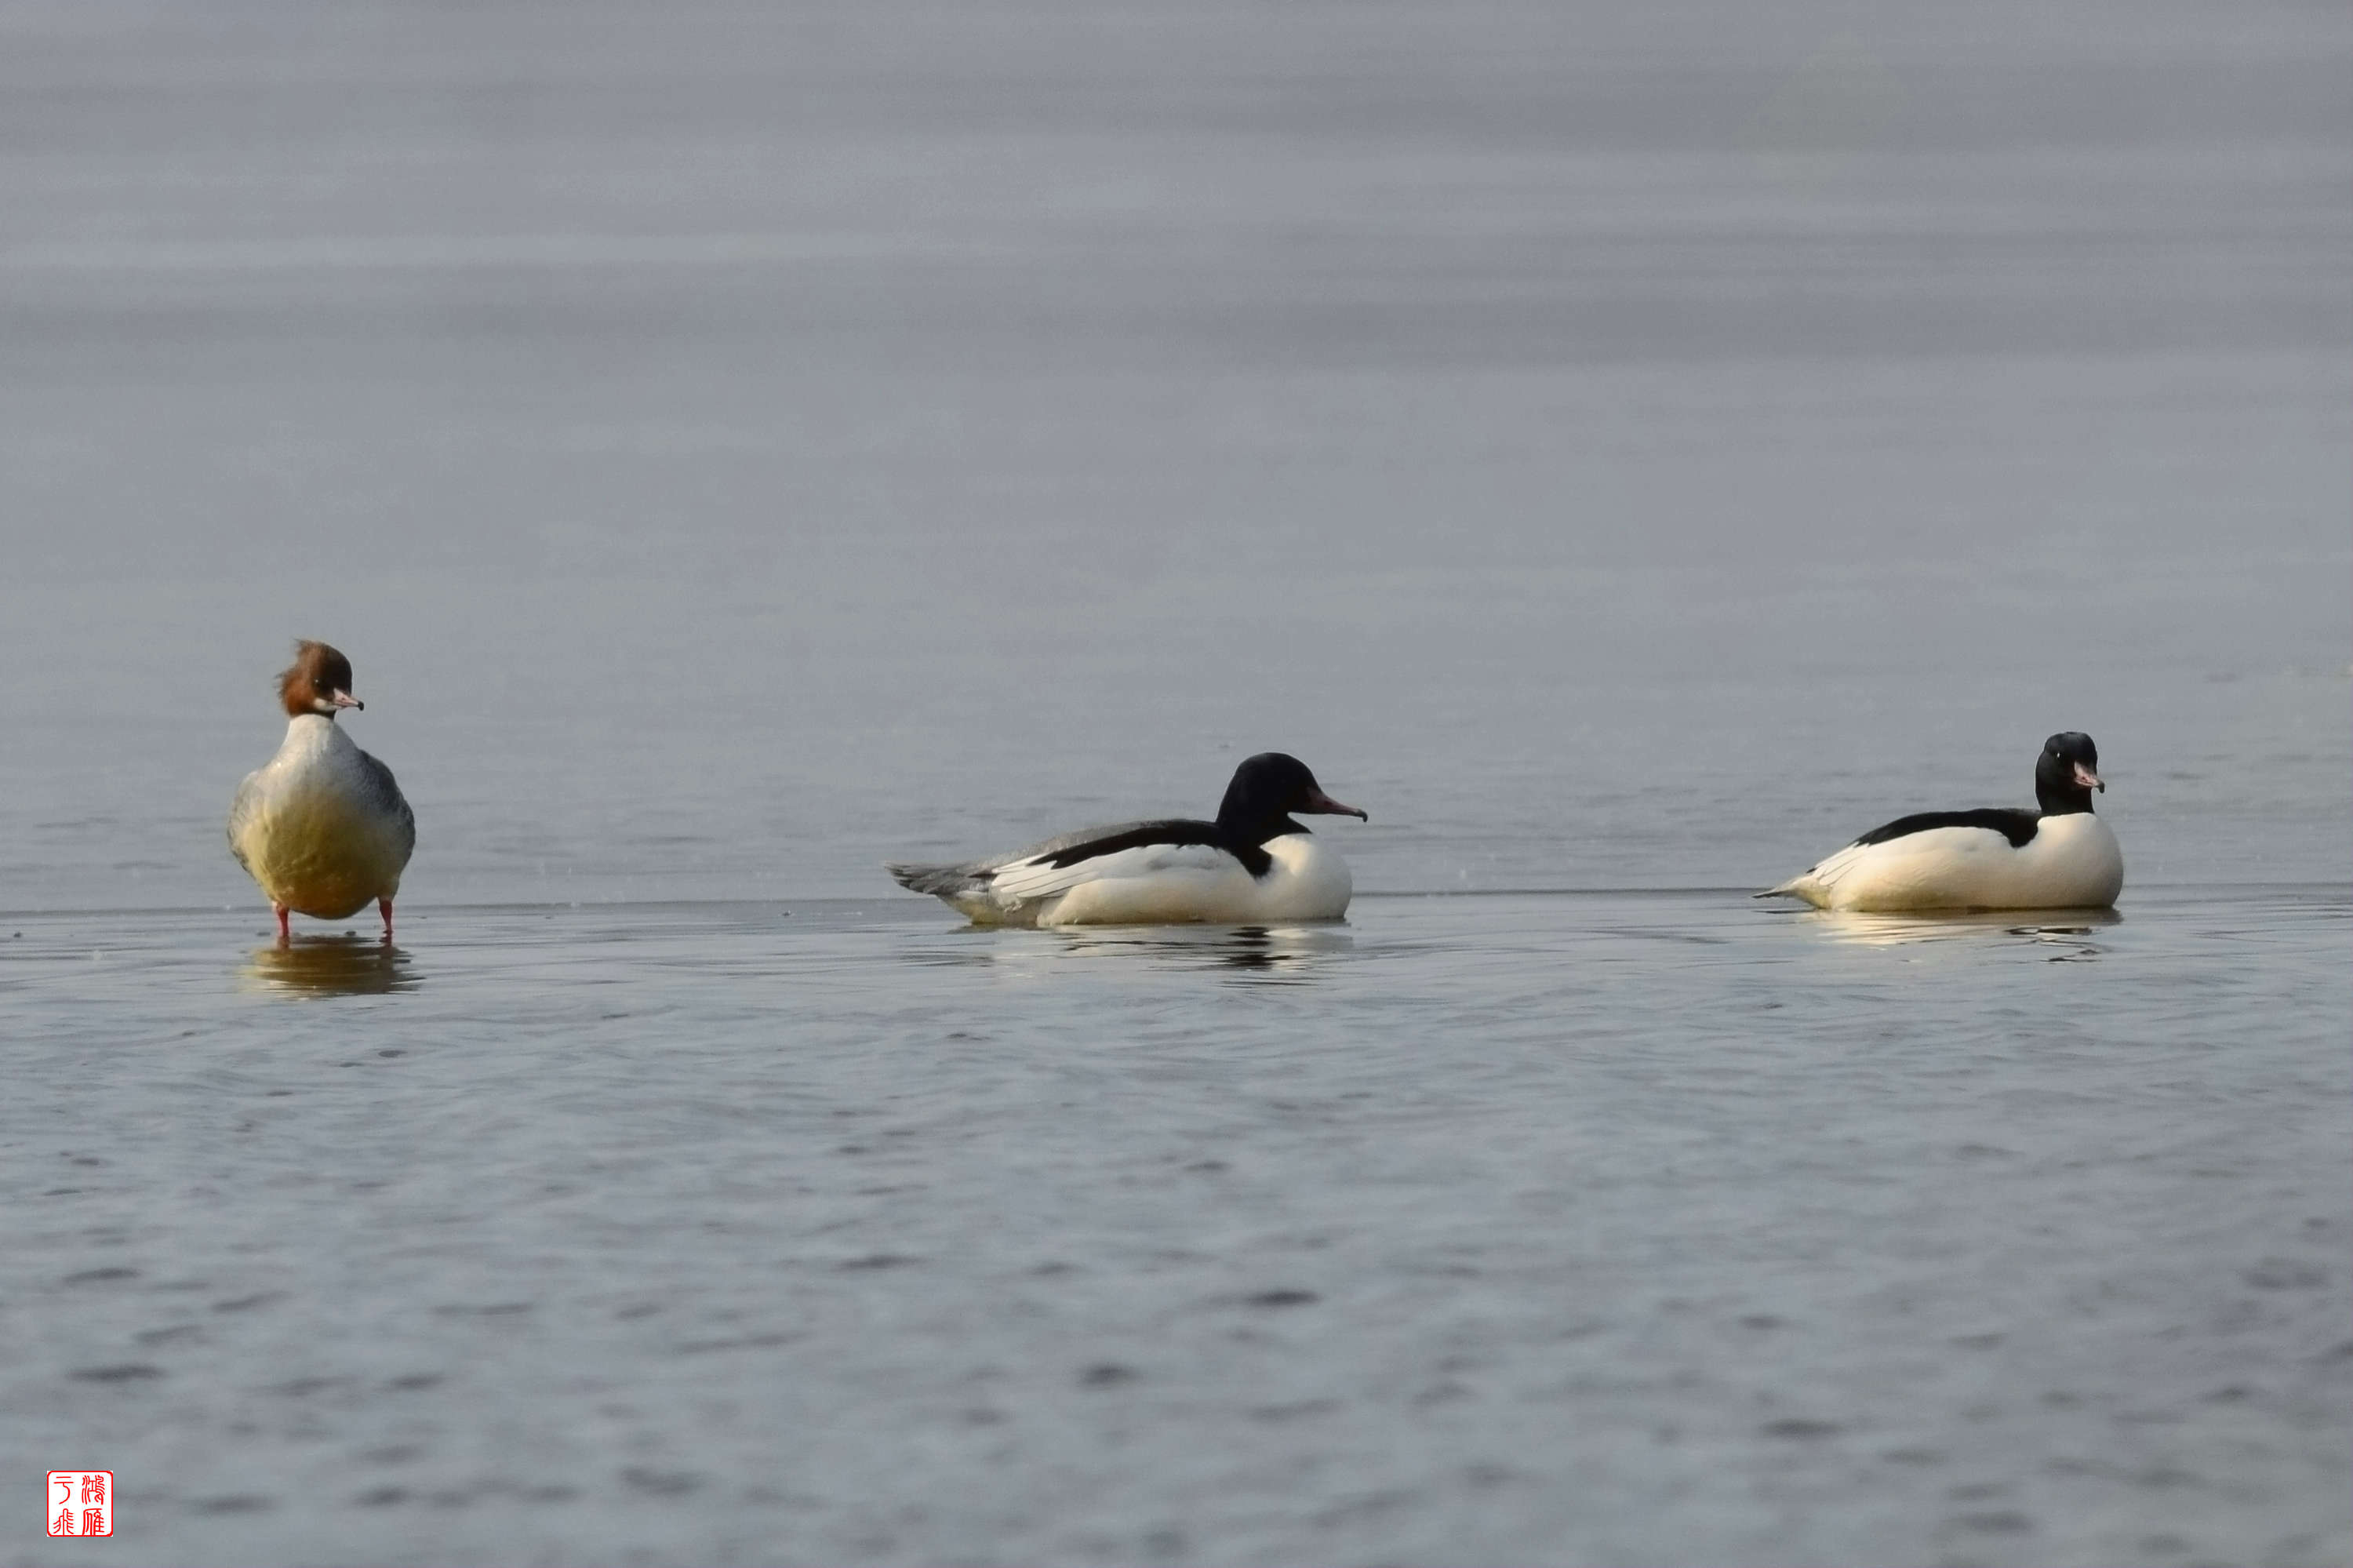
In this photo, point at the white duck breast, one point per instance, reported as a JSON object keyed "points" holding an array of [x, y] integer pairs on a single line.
{"points": [[322, 826], [2071, 862], [1253, 865]]}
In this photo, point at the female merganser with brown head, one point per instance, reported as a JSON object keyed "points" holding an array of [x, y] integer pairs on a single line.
{"points": [[321, 827], [1252, 866], [2060, 857]]}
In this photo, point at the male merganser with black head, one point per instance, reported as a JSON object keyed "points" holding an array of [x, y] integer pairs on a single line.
{"points": [[2061, 857], [323, 827], [1252, 866]]}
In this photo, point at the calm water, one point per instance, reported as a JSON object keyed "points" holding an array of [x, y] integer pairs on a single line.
{"points": [[1629, 450]]}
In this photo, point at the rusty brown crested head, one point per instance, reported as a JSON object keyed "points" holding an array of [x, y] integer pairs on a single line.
{"points": [[318, 681]]}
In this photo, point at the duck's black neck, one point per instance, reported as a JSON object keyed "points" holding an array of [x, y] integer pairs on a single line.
{"points": [[2061, 797], [1251, 829]]}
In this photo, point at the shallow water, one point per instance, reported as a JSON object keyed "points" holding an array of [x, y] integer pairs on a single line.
{"points": [[1629, 450], [1606, 1228]]}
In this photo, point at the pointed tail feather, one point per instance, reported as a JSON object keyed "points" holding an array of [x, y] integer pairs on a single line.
{"points": [[939, 881], [1804, 886]]}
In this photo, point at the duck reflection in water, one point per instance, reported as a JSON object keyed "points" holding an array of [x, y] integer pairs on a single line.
{"points": [[2067, 929], [1290, 950], [347, 965]]}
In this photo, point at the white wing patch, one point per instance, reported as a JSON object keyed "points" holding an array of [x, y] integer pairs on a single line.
{"points": [[1937, 868], [1027, 881], [1829, 872]]}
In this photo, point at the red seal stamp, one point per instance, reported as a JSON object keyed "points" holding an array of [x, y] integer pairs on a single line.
{"points": [[80, 1503]]}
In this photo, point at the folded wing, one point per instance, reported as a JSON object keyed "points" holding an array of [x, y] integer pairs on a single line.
{"points": [[1090, 855]]}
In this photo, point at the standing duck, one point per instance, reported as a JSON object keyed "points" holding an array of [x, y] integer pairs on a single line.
{"points": [[1253, 865], [322, 826], [2060, 857]]}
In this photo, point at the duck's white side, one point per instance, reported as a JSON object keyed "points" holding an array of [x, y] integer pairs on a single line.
{"points": [[322, 826], [1164, 885], [1251, 866], [2073, 862]]}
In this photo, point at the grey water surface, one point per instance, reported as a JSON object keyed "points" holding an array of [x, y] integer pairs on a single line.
{"points": [[1630, 450]]}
